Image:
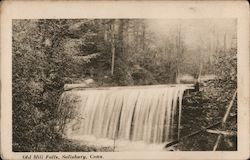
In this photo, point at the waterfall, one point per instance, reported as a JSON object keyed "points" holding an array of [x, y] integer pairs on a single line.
{"points": [[148, 114]]}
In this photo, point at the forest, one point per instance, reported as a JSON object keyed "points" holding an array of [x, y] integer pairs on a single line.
{"points": [[49, 53]]}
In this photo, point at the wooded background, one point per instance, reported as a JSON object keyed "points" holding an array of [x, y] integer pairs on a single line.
{"points": [[49, 53]]}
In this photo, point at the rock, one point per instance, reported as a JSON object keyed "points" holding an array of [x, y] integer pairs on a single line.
{"points": [[73, 86], [89, 81], [84, 84]]}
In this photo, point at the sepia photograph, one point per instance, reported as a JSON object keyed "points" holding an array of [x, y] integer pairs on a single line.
{"points": [[124, 84], [83, 86]]}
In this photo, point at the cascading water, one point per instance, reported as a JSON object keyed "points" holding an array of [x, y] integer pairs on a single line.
{"points": [[147, 114]]}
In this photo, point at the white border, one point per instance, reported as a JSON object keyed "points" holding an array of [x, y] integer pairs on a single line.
{"points": [[129, 9]]}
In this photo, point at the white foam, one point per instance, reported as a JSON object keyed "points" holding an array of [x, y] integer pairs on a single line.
{"points": [[119, 144]]}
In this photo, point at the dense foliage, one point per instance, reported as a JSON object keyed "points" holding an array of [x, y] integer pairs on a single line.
{"points": [[50, 53], [208, 106]]}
